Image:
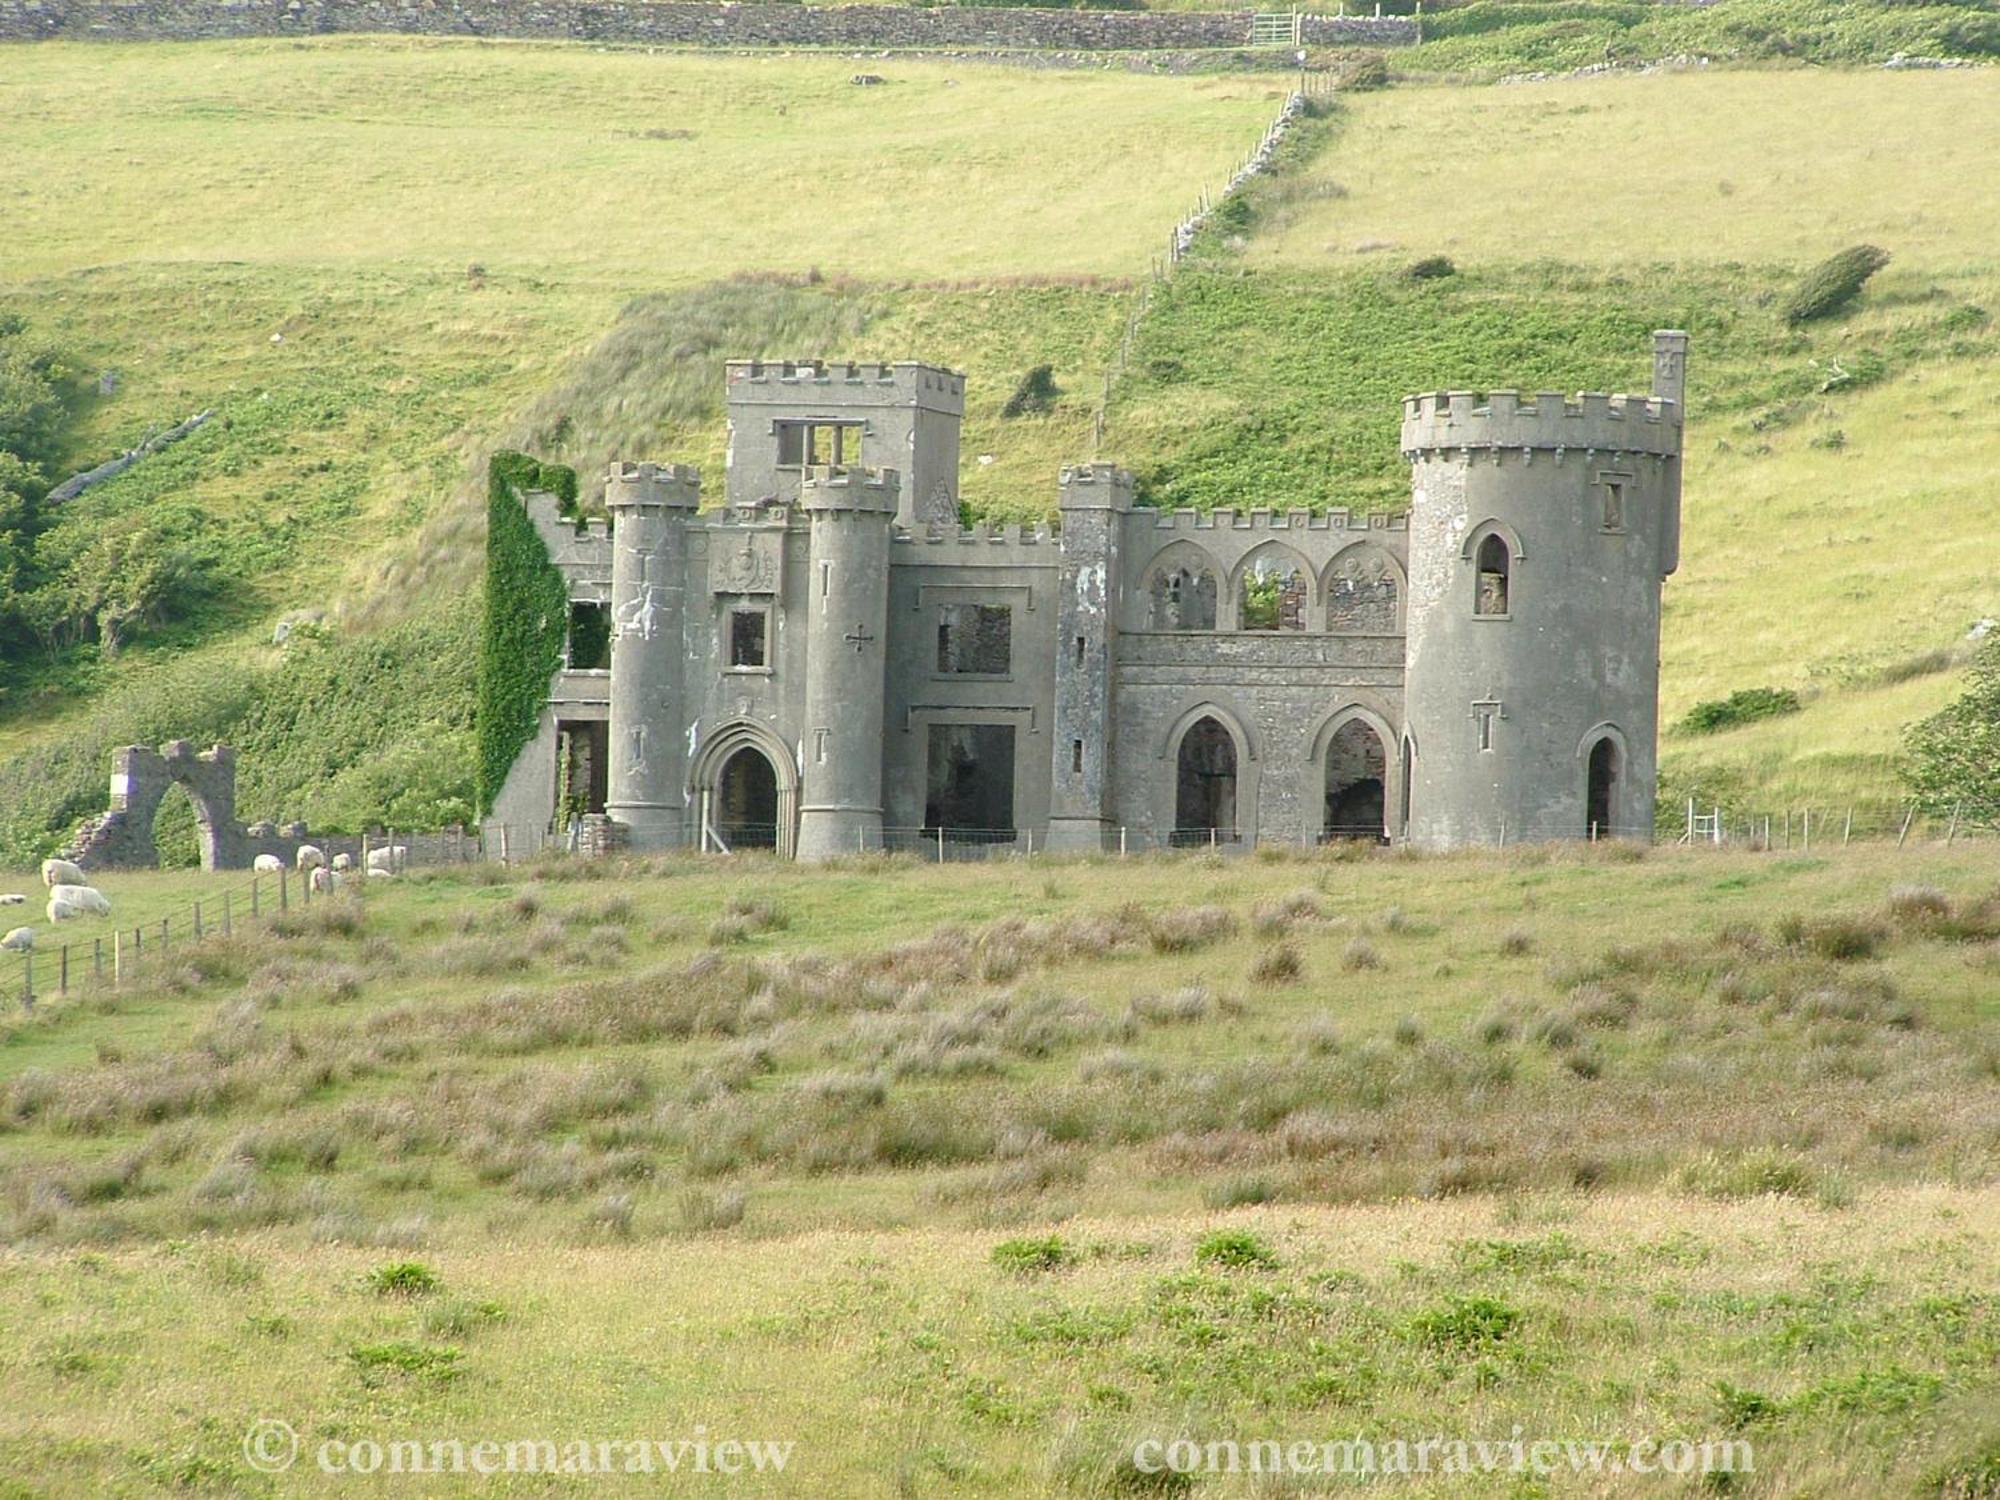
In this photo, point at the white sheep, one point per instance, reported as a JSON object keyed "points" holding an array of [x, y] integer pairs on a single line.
{"points": [[311, 857], [267, 864], [57, 872], [78, 901], [20, 940], [343, 861], [389, 857], [376, 872], [324, 879], [13, 900]]}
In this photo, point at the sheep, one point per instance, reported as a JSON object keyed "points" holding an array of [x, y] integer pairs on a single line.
{"points": [[324, 879], [311, 857], [20, 940], [343, 861], [376, 872], [13, 900], [267, 864], [57, 872], [79, 901], [389, 857]]}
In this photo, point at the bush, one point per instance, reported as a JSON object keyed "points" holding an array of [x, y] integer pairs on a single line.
{"points": [[1466, 1325], [403, 1278], [1954, 755], [1833, 283], [1028, 1257], [1744, 706], [1431, 268], [1035, 394], [1235, 1249]]}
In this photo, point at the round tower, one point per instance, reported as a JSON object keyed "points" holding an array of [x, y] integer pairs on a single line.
{"points": [[850, 511], [650, 505], [1540, 531]]}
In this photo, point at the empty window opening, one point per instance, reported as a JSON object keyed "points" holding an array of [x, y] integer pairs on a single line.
{"points": [[1356, 774], [583, 767], [1079, 651], [970, 783], [589, 638], [1182, 598], [1484, 717], [1076, 756], [1274, 596], [749, 639], [1614, 505], [975, 638], [745, 811], [1494, 570], [1602, 794], [1205, 785], [819, 443], [1361, 594]]}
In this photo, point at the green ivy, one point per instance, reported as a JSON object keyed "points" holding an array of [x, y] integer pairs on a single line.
{"points": [[527, 608]]}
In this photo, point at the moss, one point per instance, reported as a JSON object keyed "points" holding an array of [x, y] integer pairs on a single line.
{"points": [[527, 602]]}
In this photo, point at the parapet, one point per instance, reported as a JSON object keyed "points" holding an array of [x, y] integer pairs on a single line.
{"points": [[836, 487], [986, 535], [931, 386], [1188, 519], [672, 486], [1445, 420], [1097, 487]]}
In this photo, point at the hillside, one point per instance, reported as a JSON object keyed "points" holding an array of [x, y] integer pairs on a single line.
{"points": [[979, 1175], [391, 270]]}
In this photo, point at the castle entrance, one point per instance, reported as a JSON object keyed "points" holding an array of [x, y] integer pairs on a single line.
{"points": [[1205, 785], [1602, 796], [1356, 774], [745, 811]]}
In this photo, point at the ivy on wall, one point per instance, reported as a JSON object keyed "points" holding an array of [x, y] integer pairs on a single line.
{"points": [[527, 609]]}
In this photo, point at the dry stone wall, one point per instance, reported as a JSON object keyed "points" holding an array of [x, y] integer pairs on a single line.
{"points": [[663, 23]]}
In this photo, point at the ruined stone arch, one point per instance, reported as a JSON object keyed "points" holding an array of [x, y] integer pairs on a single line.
{"points": [[1353, 717], [1363, 590], [712, 760], [1183, 588], [1293, 607], [1209, 717], [140, 777]]}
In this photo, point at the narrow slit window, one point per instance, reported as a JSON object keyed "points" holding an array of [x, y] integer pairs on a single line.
{"points": [[1495, 579]]}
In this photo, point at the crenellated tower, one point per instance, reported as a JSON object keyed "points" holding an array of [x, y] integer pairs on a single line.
{"points": [[1540, 531], [650, 507], [1096, 499], [850, 512]]}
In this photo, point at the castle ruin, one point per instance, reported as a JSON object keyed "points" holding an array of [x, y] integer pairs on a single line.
{"points": [[828, 663]]}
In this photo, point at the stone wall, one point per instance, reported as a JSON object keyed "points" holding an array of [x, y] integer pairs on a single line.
{"points": [[664, 23]]}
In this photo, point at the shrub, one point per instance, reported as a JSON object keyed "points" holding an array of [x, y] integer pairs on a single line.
{"points": [[1744, 706], [1028, 1257], [1833, 283], [704, 1209], [1235, 1249], [1360, 954], [1466, 1325], [1036, 393], [403, 1278], [1278, 965], [1954, 756], [437, 1363], [1431, 268]]}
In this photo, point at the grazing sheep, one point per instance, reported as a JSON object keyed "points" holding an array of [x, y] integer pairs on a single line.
{"points": [[389, 857], [13, 900], [57, 872], [20, 940], [311, 857], [80, 901], [343, 861], [376, 872], [324, 879], [267, 864]]}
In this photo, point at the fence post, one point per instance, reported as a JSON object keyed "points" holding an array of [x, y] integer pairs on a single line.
{"points": [[28, 980], [197, 921], [503, 843], [1847, 828], [1951, 830], [284, 889], [1805, 829], [62, 970], [225, 914], [118, 956], [97, 958], [940, 843], [165, 935]]}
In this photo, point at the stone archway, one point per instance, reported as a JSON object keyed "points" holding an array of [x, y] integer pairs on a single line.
{"points": [[723, 778], [122, 837]]}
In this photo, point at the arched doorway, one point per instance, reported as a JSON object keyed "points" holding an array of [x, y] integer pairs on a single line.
{"points": [[1205, 785], [1601, 796], [744, 813], [177, 832], [1357, 767]]}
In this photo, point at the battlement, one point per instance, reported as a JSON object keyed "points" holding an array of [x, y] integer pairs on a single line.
{"points": [[674, 485], [986, 534], [828, 380], [1507, 419], [1276, 520], [842, 487], [1097, 486]]}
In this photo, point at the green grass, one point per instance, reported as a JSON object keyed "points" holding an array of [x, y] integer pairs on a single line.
{"points": [[916, 1177]]}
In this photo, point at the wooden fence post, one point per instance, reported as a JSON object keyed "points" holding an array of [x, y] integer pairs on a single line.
{"points": [[284, 889], [97, 958], [118, 956], [197, 921], [28, 980], [62, 970], [1908, 818], [225, 914]]}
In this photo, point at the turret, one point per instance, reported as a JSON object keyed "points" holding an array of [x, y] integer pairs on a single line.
{"points": [[850, 512], [1540, 529], [1095, 501], [650, 505]]}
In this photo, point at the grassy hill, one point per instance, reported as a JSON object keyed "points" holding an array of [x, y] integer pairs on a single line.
{"points": [[378, 263], [964, 1180]]}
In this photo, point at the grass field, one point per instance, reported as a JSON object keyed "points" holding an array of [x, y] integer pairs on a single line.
{"points": [[964, 1180]]}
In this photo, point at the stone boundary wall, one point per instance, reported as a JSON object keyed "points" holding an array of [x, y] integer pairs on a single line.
{"points": [[673, 24]]}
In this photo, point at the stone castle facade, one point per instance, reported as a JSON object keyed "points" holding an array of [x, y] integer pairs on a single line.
{"points": [[828, 663]]}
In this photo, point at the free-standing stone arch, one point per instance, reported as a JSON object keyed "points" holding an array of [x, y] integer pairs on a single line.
{"points": [[122, 837]]}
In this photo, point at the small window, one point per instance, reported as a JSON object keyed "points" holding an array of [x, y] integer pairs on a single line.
{"points": [[1613, 486], [820, 443], [975, 638], [1494, 569], [1076, 756], [749, 639], [589, 638], [1485, 716]]}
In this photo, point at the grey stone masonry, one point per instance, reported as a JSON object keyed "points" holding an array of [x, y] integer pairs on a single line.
{"points": [[663, 23], [825, 664]]}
